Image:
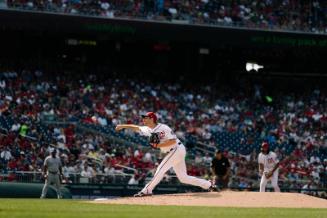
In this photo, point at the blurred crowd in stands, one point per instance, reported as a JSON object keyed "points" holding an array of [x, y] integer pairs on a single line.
{"points": [[293, 15], [294, 125]]}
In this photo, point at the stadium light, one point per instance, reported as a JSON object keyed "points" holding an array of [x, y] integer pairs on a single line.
{"points": [[253, 66]]}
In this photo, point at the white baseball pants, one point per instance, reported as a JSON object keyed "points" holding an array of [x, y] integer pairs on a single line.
{"points": [[175, 159], [273, 179]]}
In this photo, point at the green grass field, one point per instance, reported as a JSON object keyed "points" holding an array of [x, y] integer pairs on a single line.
{"points": [[33, 208]]}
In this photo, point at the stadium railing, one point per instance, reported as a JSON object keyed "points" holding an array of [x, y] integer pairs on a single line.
{"points": [[115, 177], [76, 178]]}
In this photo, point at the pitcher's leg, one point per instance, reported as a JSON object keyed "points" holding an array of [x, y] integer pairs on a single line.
{"points": [[181, 173], [163, 167]]}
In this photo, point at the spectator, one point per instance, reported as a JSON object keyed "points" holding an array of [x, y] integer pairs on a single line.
{"points": [[87, 172], [5, 155], [133, 180], [314, 159], [277, 15], [207, 160]]}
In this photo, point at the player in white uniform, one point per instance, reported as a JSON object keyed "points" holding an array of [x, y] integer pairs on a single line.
{"points": [[268, 168], [175, 154]]}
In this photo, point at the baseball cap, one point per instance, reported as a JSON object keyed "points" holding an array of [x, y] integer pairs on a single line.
{"points": [[265, 145], [151, 115]]}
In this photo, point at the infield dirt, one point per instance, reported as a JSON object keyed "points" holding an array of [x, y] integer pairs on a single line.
{"points": [[225, 199]]}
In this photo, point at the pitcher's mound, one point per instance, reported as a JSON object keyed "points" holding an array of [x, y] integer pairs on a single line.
{"points": [[226, 199]]}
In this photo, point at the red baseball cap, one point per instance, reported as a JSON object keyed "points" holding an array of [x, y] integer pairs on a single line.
{"points": [[151, 115], [265, 145]]}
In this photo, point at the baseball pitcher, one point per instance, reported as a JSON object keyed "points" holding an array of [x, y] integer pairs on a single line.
{"points": [[161, 136]]}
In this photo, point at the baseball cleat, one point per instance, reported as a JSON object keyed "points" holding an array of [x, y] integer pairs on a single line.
{"points": [[213, 187], [141, 194]]}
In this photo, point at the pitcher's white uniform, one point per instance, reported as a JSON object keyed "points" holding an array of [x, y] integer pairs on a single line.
{"points": [[269, 161], [175, 158]]}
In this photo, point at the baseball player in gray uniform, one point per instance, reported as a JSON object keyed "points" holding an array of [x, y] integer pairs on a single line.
{"points": [[52, 172], [174, 150]]}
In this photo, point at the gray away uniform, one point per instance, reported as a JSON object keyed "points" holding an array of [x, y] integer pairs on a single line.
{"points": [[53, 165]]}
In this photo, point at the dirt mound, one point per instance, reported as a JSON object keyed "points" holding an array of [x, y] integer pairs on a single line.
{"points": [[226, 199]]}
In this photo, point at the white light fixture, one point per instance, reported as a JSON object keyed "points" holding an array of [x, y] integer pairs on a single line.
{"points": [[253, 66]]}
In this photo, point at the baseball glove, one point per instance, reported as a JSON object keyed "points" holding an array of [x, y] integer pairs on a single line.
{"points": [[268, 174], [154, 139]]}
